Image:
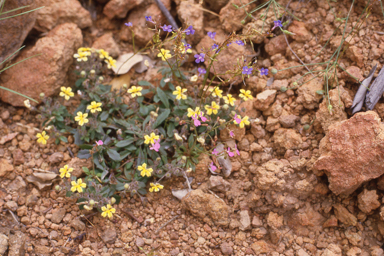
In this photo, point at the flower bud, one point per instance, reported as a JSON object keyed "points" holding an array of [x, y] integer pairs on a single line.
{"points": [[177, 137], [119, 132], [133, 191], [27, 104], [283, 89], [113, 200], [274, 71], [154, 114], [58, 188], [125, 86], [184, 158], [88, 208], [288, 32], [243, 22], [83, 74], [166, 80], [201, 140], [101, 78], [177, 119], [92, 72], [189, 170], [126, 186], [79, 92], [233, 113], [294, 83], [225, 106], [146, 63], [42, 95], [306, 127], [221, 121]]}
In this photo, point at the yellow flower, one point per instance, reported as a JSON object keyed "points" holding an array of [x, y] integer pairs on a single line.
{"points": [[151, 139], [82, 54], [245, 94], [144, 171], [135, 91], [229, 99], [81, 118], [212, 109], [179, 92], [95, 106], [66, 92], [155, 187], [79, 185], [65, 171], [193, 113], [164, 54], [110, 62], [243, 121], [108, 211], [103, 54], [216, 92], [182, 48], [42, 138]]}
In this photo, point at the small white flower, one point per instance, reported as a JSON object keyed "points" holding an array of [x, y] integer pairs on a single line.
{"points": [[27, 104], [48, 128], [79, 92], [189, 170], [201, 140], [177, 137], [166, 80], [146, 63], [194, 78]]}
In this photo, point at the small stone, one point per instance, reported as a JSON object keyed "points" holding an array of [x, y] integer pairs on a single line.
{"points": [[368, 201], [56, 158], [300, 33], [287, 138], [301, 252], [245, 220], [217, 183], [256, 222], [226, 249], [139, 242], [78, 224], [18, 157], [58, 215], [264, 99], [3, 244], [5, 167], [17, 184], [31, 200], [331, 222], [343, 215], [109, 236], [274, 220], [16, 244], [261, 247], [108, 44], [54, 235], [5, 115]]}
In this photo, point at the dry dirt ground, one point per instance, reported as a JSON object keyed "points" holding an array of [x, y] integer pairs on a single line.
{"points": [[275, 202]]}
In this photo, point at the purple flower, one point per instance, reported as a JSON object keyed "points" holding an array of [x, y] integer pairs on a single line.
{"points": [[231, 154], [156, 145], [212, 166], [196, 121], [203, 118], [215, 46], [278, 23], [167, 28], [239, 42], [189, 31], [238, 120], [247, 70], [228, 44], [232, 134], [214, 152], [129, 24], [99, 143], [199, 58], [202, 71], [187, 47], [237, 151], [212, 35], [263, 71], [149, 18]]}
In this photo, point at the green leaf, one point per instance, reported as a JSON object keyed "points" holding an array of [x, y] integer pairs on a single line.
{"points": [[142, 191], [69, 193], [83, 154], [86, 170], [162, 83], [191, 139], [144, 83], [113, 154], [163, 97], [144, 110], [170, 128], [124, 143], [104, 115], [63, 139], [161, 118]]}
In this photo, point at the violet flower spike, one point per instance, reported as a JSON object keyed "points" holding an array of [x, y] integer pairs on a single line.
{"points": [[212, 35], [189, 31], [129, 24], [213, 167], [200, 58], [239, 42], [247, 70], [149, 19], [277, 23]]}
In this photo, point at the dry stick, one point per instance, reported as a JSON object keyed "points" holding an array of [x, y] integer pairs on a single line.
{"points": [[130, 215], [14, 217], [167, 14], [166, 223], [70, 152]]}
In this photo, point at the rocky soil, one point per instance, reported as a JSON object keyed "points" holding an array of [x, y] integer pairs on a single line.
{"points": [[292, 191]]}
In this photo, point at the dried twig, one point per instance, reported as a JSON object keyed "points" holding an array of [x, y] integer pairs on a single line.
{"points": [[14, 216], [70, 152], [131, 215], [166, 223], [167, 14]]}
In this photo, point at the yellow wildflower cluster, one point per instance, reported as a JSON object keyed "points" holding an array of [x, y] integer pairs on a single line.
{"points": [[135, 91], [95, 106], [151, 139], [84, 52], [180, 93], [78, 185], [155, 187], [164, 54], [66, 92], [81, 118]]}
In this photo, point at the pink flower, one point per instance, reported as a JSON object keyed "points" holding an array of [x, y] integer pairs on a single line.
{"points": [[156, 145], [203, 118], [215, 152], [231, 154], [232, 134], [99, 143], [212, 166], [196, 121], [238, 120], [237, 151]]}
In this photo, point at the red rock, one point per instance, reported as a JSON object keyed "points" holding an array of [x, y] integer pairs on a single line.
{"points": [[380, 183], [307, 95], [301, 34], [344, 216], [351, 152], [331, 222], [276, 45], [307, 216], [207, 207], [368, 201], [60, 12], [337, 114], [5, 167], [18, 157], [13, 31], [287, 138], [261, 247], [107, 43], [119, 8], [47, 72], [264, 99], [354, 71], [274, 220], [191, 14], [257, 130], [355, 54]]}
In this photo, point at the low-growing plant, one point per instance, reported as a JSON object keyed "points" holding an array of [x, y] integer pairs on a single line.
{"points": [[145, 133]]}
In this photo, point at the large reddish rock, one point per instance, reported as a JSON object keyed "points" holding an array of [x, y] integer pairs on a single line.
{"points": [[60, 12], [230, 17], [352, 151], [13, 31], [119, 8], [191, 14], [207, 207], [276, 45], [47, 72]]}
